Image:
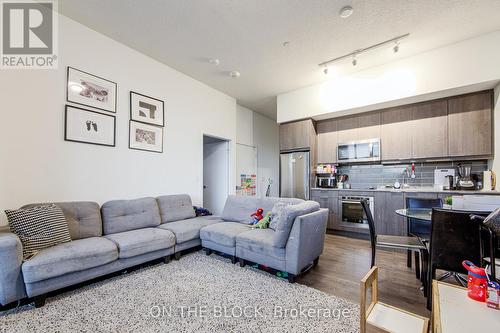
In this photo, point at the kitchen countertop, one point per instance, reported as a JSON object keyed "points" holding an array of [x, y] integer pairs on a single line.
{"points": [[407, 190]]}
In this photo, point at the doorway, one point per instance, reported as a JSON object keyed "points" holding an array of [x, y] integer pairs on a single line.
{"points": [[215, 173]]}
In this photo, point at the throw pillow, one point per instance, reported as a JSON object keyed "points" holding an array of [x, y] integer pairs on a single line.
{"points": [[38, 227], [276, 212], [287, 219]]}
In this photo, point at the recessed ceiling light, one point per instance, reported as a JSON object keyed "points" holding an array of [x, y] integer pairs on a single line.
{"points": [[214, 61], [346, 11], [234, 74]]}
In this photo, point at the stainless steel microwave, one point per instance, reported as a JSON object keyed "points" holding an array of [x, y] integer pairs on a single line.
{"points": [[359, 151]]}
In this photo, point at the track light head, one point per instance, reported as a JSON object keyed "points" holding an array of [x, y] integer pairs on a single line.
{"points": [[396, 48], [354, 61], [325, 70]]}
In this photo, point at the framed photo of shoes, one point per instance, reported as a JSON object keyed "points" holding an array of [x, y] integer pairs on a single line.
{"points": [[146, 109], [86, 126], [90, 90]]}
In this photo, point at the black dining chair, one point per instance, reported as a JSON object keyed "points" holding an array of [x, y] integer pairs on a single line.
{"points": [[411, 243], [455, 237], [419, 228], [490, 225]]}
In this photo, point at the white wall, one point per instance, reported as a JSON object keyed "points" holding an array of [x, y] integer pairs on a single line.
{"points": [[469, 65], [254, 129], [38, 165]]}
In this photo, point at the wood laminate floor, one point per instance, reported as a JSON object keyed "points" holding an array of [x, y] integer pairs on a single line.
{"points": [[346, 260]]}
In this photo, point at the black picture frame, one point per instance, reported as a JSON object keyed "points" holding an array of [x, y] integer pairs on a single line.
{"points": [[88, 142], [153, 98], [97, 77], [148, 150]]}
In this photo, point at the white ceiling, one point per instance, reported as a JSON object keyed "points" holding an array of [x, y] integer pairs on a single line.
{"points": [[247, 35]]}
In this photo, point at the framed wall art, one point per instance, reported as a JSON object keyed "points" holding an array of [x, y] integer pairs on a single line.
{"points": [[146, 109], [90, 90], [145, 137], [88, 126]]}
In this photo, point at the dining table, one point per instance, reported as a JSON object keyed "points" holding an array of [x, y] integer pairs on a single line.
{"points": [[454, 312], [424, 214]]}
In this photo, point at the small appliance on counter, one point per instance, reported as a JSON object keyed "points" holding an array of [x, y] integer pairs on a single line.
{"points": [[326, 180], [465, 181], [444, 179], [326, 176]]}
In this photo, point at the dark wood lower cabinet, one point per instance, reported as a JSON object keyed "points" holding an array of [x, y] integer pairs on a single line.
{"points": [[387, 222], [330, 200]]}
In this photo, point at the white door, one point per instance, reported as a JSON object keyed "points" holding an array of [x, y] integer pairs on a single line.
{"points": [[246, 168], [215, 174]]}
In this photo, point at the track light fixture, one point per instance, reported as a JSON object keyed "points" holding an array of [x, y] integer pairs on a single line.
{"points": [[325, 70], [355, 53], [396, 47]]}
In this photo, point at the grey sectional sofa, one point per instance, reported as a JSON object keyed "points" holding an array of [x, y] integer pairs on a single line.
{"points": [[289, 249], [126, 233]]}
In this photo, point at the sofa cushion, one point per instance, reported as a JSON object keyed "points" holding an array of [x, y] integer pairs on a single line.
{"points": [[239, 208], [260, 241], [39, 227], [83, 218], [175, 207], [287, 217], [125, 215], [186, 230], [223, 233], [276, 212], [136, 242], [74, 256]]}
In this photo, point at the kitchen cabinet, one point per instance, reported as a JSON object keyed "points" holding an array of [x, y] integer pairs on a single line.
{"points": [[387, 222], [470, 125], [297, 135], [358, 127], [347, 129], [429, 129], [327, 141], [368, 126], [395, 138], [328, 199], [441, 129]]}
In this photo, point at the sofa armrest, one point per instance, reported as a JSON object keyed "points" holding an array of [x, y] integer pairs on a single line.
{"points": [[306, 240], [11, 259]]}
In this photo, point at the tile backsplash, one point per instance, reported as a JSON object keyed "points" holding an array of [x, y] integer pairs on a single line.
{"points": [[374, 175]]}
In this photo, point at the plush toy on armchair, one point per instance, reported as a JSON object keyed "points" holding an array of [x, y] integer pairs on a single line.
{"points": [[257, 216], [264, 223]]}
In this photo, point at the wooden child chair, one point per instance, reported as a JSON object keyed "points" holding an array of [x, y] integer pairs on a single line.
{"points": [[380, 317]]}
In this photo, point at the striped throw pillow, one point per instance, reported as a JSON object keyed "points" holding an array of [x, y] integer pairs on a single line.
{"points": [[38, 227]]}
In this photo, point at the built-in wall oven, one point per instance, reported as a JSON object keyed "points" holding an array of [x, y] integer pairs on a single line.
{"points": [[352, 211]]}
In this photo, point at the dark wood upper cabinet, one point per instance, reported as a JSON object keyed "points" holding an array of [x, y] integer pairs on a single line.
{"points": [[429, 129], [297, 135], [395, 139], [470, 125], [327, 141]]}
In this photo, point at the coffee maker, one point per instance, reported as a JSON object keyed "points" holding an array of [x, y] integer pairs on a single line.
{"points": [[464, 177]]}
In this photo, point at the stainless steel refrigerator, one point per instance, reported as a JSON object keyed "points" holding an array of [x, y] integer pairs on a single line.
{"points": [[294, 175]]}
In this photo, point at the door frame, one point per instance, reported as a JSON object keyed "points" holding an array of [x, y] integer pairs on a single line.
{"points": [[228, 156]]}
